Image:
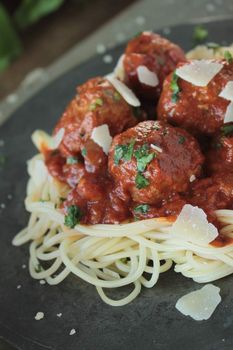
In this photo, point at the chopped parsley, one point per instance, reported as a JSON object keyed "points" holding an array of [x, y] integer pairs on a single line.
{"points": [[142, 209], [94, 105], [84, 152], [73, 216], [175, 87], [228, 56], [200, 34], [143, 157], [2, 160], [39, 268], [116, 96], [137, 112], [124, 152], [181, 140], [141, 181], [217, 146], [227, 130], [71, 160]]}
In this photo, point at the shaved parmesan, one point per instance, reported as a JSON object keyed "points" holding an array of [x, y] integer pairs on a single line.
{"points": [[229, 113], [102, 137], [119, 71], [57, 139], [192, 178], [227, 92], [192, 225], [39, 316], [147, 77], [40, 172], [156, 148], [124, 91], [199, 72], [200, 304]]}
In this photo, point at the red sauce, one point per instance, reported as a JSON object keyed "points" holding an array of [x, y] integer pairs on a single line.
{"points": [[153, 168]]}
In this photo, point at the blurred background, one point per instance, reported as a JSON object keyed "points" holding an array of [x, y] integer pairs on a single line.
{"points": [[35, 32]]}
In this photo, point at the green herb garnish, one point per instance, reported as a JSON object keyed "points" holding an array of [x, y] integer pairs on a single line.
{"points": [[141, 181], [143, 157], [94, 105], [200, 34], [137, 112], [38, 268], [228, 56], [181, 140], [227, 130], [124, 152], [84, 152], [71, 160], [73, 216], [116, 96], [2, 160], [217, 146], [175, 87], [142, 209]]}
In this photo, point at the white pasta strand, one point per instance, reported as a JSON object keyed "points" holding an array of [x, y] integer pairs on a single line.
{"points": [[112, 256]]}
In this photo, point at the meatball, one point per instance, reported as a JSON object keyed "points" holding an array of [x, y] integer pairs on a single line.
{"points": [[200, 110], [220, 156], [153, 160], [96, 103], [213, 193], [157, 54]]}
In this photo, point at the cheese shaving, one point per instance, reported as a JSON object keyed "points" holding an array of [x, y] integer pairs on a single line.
{"points": [[102, 137], [199, 72], [39, 316], [57, 139], [201, 303], [229, 113], [119, 71], [227, 92], [156, 148], [147, 77], [124, 91], [192, 225]]}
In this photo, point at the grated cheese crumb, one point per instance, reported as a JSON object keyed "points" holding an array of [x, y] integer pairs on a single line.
{"points": [[3, 205], [192, 178], [19, 286], [24, 266], [42, 282], [39, 316], [73, 331], [9, 196], [60, 314], [2, 143]]}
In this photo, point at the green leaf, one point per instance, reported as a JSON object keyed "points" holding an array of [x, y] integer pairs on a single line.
{"points": [[227, 130], [142, 209], [143, 157], [228, 56], [30, 11], [73, 216], [200, 33], [10, 46], [94, 105], [84, 152], [141, 181], [71, 160], [181, 140], [175, 87], [124, 152]]}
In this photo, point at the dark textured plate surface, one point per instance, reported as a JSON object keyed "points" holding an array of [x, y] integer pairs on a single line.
{"points": [[149, 322]]}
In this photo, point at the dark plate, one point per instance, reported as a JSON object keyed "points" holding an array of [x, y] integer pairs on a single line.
{"points": [[149, 322]]}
